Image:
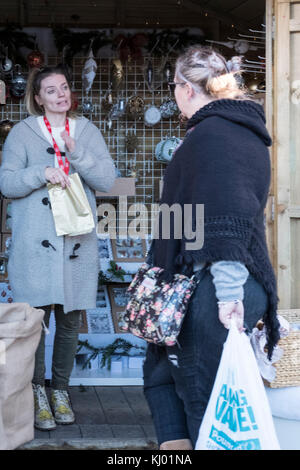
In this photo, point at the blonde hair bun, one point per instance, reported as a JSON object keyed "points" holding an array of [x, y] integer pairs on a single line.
{"points": [[209, 72]]}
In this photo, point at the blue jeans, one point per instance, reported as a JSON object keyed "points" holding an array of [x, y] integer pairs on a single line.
{"points": [[178, 380]]}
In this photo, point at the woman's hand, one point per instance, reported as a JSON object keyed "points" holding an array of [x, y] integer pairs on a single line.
{"points": [[57, 176], [232, 310], [69, 141]]}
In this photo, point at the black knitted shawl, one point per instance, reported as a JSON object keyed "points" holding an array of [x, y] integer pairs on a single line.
{"points": [[224, 164]]}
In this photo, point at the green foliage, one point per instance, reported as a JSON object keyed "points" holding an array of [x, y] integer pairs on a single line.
{"points": [[120, 347]]}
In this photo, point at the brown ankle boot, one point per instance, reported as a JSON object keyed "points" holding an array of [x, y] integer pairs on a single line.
{"points": [[179, 444]]}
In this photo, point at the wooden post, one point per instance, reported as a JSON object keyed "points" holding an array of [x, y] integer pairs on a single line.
{"points": [[281, 149]]}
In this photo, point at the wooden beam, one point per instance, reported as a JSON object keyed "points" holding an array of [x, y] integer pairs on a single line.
{"points": [[295, 26], [223, 17], [120, 12], [282, 149]]}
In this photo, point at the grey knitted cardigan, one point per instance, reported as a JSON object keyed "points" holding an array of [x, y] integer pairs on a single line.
{"points": [[42, 269]]}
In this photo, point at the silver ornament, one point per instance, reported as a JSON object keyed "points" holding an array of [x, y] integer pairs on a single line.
{"points": [[18, 83]]}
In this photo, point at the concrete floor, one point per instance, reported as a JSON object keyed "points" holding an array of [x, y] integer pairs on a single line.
{"points": [[106, 418]]}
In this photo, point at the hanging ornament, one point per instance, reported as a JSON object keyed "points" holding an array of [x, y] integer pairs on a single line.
{"points": [[89, 72], [18, 83], [116, 74], [2, 92], [149, 73], [168, 108], [107, 102], [35, 59], [6, 65], [167, 72], [135, 107], [131, 142], [87, 106], [253, 84], [5, 127]]}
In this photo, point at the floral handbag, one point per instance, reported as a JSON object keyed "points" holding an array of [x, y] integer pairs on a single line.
{"points": [[156, 308]]}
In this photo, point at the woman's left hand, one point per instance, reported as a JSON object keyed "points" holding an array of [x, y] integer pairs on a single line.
{"points": [[69, 141], [232, 310]]}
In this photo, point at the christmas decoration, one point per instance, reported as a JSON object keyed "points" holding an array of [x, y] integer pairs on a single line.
{"points": [[6, 65], [18, 83], [135, 107], [89, 72], [87, 106], [116, 74], [168, 108], [2, 92], [79, 42], [131, 142], [12, 40], [35, 59], [130, 47], [5, 127], [120, 347]]}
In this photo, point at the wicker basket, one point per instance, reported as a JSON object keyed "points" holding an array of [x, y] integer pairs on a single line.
{"points": [[288, 367]]}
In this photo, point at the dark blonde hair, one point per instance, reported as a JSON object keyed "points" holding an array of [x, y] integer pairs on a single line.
{"points": [[209, 72], [34, 86]]}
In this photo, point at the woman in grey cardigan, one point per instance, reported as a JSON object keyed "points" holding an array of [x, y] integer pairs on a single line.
{"points": [[45, 269]]}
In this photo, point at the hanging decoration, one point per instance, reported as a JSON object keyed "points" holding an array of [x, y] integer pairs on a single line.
{"points": [[167, 38], [135, 107], [79, 42], [116, 74], [107, 102], [168, 108], [152, 116], [12, 40], [2, 92], [165, 148], [131, 142], [87, 106], [5, 126], [130, 47], [35, 59], [18, 83], [149, 73], [241, 46], [89, 72], [6, 65]]}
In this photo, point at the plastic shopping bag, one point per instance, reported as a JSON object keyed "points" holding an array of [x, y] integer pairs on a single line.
{"points": [[238, 415]]}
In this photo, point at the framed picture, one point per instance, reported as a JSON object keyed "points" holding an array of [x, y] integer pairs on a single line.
{"points": [[104, 248], [5, 242], [99, 321], [118, 301], [83, 329], [102, 299], [6, 216], [130, 250]]}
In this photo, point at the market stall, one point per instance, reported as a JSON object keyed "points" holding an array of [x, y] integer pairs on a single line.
{"points": [[121, 58]]}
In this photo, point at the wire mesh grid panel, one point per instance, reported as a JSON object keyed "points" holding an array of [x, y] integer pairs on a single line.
{"points": [[120, 109]]}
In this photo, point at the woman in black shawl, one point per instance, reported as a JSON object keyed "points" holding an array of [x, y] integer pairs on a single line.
{"points": [[223, 163]]}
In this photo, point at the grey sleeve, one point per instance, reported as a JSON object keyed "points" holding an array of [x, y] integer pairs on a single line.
{"points": [[229, 278], [93, 161], [16, 179]]}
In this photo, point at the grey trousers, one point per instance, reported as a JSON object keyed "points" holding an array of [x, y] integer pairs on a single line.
{"points": [[64, 349]]}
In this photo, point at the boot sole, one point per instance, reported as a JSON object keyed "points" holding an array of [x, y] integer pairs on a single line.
{"points": [[44, 429], [64, 422]]}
